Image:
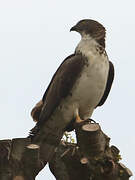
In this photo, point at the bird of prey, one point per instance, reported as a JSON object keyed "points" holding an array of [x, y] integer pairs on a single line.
{"points": [[81, 83]]}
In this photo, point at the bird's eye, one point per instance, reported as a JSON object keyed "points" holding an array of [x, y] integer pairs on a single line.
{"points": [[83, 22]]}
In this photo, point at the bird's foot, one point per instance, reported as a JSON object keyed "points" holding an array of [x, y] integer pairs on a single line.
{"points": [[78, 119]]}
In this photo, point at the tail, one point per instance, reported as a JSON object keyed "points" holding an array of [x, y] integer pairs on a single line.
{"points": [[33, 132]]}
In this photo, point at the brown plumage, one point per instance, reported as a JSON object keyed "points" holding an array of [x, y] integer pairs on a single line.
{"points": [[81, 83], [35, 113]]}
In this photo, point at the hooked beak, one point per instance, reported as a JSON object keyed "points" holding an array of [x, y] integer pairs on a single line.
{"points": [[73, 28]]}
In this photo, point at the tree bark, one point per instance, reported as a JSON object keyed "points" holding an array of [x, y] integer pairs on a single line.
{"points": [[91, 158], [19, 161]]}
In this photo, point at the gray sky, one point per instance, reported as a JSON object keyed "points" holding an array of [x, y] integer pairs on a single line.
{"points": [[34, 40]]}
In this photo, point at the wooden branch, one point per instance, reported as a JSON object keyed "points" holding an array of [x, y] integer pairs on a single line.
{"points": [[20, 161], [91, 158], [66, 162], [4, 157], [91, 140]]}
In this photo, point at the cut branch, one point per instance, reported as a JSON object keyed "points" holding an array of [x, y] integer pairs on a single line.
{"points": [[91, 140], [91, 158], [21, 161]]}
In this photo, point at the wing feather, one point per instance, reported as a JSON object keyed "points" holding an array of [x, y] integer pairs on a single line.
{"points": [[108, 85], [60, 86]]}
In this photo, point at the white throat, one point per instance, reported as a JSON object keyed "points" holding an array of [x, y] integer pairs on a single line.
{"points": [[87, 45]]}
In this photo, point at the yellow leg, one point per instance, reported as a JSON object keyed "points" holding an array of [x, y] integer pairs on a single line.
{"points": [[78, 119]]}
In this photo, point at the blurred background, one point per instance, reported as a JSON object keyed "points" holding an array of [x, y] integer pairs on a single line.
{"points": [[35, 39]]}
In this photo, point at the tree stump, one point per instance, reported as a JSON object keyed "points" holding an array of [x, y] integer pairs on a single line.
{"points": [[91, 158]]}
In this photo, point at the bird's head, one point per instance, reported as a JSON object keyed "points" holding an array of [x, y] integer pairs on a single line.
{"points": [[94, 29]]}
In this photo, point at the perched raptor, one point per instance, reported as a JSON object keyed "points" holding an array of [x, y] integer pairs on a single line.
{"points": [[81, 83]]}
